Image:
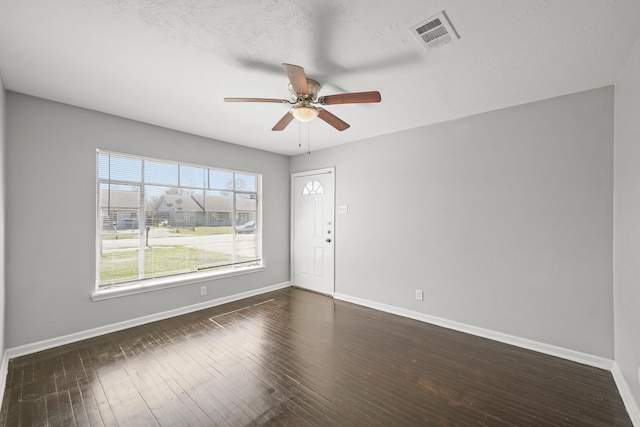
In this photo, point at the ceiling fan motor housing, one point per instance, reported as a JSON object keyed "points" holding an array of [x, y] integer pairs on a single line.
{"points": [[303, 110], [314, 88]]}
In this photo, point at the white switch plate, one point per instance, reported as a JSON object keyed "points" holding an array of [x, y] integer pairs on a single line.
{"points": [[343, 209]]}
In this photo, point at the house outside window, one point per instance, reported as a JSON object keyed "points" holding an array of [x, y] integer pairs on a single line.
{"points": [[158, 219]]}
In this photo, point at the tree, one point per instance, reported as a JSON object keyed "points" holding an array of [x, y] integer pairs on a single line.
{"points": [[178, 202], [240, 185]]}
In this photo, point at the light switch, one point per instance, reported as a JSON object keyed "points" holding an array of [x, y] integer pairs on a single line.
{"points": [[343, 209]]}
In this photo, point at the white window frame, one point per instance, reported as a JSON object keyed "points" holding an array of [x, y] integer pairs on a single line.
{"points": [[181, 279]]}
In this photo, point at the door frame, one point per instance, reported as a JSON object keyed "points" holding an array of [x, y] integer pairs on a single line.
{"points": [[331, 170]]}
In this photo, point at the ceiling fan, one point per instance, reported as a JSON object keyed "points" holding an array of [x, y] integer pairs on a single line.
{"points": [[304, 98]]}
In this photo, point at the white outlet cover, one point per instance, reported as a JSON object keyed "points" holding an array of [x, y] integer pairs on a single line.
{"points": [[343, 209]]}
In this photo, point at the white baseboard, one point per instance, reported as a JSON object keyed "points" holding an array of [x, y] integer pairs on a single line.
{"points": [[627, 397], [4, 370], [90, 333], [576, 356]]}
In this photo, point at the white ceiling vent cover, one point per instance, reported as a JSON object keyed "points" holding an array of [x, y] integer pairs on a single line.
{"points": [[435, 31]]}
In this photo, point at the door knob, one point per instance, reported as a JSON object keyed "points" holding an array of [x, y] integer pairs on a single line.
{"points": [[328, 240]]}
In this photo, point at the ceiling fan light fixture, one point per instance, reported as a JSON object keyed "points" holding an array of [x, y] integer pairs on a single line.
{"points": [[305, 113]]}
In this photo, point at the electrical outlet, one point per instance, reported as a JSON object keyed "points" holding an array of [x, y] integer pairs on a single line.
{"points": [[419, 295], [639, 374], [203, 291]]}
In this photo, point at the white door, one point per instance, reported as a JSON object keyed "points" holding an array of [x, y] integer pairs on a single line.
{"points": [[313, 230]]}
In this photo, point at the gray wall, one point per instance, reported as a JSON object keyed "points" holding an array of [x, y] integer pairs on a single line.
{"points": [[627, 222], [50, 216], [3, 145], [504, 219]]}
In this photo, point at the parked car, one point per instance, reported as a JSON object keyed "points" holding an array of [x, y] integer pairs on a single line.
{"points": [[249, 227]]}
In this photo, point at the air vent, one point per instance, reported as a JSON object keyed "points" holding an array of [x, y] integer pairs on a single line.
{"points": [[435, 31]]}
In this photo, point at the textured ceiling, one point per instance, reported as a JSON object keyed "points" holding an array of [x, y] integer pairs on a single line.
{"points": [[171, 62]]}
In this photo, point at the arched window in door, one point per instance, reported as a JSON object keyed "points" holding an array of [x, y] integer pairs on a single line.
{"points": [[313, 187]]}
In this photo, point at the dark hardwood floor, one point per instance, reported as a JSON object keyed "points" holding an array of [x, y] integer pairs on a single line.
{"points": [[300, 359]]}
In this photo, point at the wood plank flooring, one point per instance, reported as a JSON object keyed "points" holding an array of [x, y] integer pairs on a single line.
{"points": [[296, 358]]}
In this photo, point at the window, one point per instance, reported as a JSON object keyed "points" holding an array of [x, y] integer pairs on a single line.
{"points": [[312, 188], [158, 218]]}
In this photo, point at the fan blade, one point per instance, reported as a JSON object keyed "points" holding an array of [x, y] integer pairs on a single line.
{"points": [[332, 120], [277, 101], [350, 98], [297, 78], [284, 121]]}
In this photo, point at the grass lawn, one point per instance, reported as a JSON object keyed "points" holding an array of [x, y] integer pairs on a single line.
{"points": [[123, 235], [122, 265], [185, 231], [199, 231]]}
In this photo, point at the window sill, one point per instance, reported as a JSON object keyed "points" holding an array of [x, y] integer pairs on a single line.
{"points": [[168, 282]]}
